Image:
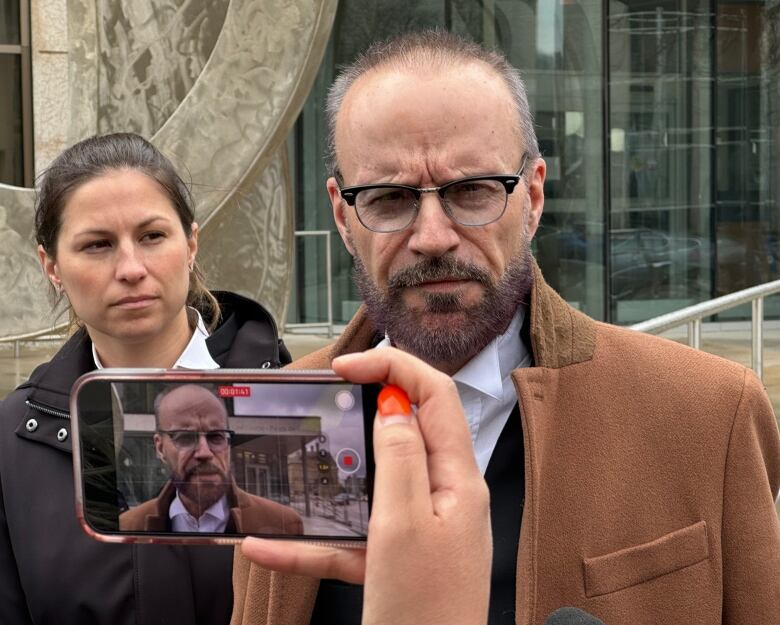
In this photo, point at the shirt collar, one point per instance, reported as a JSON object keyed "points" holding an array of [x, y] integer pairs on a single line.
{"points": [[195, 356], [488, 369], [218, 511]]}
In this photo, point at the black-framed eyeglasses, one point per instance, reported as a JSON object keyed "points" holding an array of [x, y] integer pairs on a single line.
{"points": [[470, 201], [217, 440]]}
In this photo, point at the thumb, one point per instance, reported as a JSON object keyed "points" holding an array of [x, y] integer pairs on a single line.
{"points": [[401, 474]]}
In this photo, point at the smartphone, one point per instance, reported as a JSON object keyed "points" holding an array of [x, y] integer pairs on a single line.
{"points": [[182, 456]]}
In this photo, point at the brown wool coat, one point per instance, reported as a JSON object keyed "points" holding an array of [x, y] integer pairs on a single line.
{"points": [[650, 473], [248, 513]]}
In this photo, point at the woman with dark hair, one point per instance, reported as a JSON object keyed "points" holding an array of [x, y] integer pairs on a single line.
{"points": [[117, 241]]}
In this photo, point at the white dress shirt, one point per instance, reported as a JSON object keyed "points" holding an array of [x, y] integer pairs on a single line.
{"points": [[195, 356], [213, 519], [485, 386]]}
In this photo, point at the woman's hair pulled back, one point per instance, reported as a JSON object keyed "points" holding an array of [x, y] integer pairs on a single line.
{"points": [[100, 155]]}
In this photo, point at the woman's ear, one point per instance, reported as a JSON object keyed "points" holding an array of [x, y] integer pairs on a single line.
{"points": [[192, 244], [50, 269]]}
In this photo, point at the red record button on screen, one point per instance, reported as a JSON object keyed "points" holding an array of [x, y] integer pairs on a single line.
{"points": [[235, 391], [348, 460]]}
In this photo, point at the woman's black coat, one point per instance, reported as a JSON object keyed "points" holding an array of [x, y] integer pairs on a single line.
{"points": [[51, 573]]}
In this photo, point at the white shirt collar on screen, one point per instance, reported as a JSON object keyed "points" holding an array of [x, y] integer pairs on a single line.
{"points": [[213, 519]]}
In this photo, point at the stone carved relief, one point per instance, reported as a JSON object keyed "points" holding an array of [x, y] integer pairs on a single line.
{"points": [[25, 304], [151, 54], [82, 69], [229, 126], [253, 237], [250, 92], [226, 131]]}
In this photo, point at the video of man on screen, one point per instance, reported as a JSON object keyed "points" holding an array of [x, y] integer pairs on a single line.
{"points": [[271, 459]]}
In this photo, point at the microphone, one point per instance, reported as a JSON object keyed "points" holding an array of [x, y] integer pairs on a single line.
{"points": [[572, 616]]}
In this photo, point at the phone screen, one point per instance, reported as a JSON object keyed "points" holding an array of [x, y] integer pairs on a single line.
{"points": [[201, 455]]}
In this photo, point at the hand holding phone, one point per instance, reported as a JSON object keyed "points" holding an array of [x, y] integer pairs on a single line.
{"points": [[429, 545]]}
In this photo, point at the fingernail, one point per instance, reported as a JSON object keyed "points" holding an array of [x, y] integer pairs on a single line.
{"points": [[393, 405], [396, 418]]}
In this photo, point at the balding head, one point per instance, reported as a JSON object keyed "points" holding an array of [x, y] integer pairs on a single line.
{"points": [[193, 441], [429, 51], [188, 402]]}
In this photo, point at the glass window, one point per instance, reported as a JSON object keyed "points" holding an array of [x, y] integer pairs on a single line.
{"points": [[745, 212], [11, 161], [557, 47], [559, 55], [15, 95], [10, 31], [661, 157]]}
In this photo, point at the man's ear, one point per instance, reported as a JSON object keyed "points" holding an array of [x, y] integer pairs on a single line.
{"points": [[158, 448], [340, 209], [536, 195], [50, 268]]}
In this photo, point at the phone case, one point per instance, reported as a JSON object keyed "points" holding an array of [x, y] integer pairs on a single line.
{"points": [[208, 457]]}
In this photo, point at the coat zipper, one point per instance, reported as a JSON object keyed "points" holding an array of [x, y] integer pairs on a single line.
{"points": [[47, 410]]}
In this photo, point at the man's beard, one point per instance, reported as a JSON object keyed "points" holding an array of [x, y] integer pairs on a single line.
{"points": [[452, 340], [204, 493]]}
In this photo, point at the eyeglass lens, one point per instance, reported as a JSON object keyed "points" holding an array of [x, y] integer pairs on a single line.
{"points": [[215, 439], [469, 203]]}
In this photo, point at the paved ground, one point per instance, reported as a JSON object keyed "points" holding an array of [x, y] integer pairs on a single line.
{"points": [[729, 341], [14, 371]]}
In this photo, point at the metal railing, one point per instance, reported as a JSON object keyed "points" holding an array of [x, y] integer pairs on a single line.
{"points": [[56, 333], [328, 325], [692, 317]]}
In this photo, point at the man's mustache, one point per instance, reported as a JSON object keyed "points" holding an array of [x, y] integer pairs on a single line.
{"points": [[207, 468], [437, 270]]}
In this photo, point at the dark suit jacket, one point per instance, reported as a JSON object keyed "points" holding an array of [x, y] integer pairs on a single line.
{"points": [[96, 583], [248, 513]]}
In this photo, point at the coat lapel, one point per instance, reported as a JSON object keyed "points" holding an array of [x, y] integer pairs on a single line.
{"points": [[273, 598], [560, 335]]}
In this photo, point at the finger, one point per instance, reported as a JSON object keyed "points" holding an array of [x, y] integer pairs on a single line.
{"points": [[440, 416], [392, 366], [422, 383], [346, 564], [451, 459], [401, 487]]}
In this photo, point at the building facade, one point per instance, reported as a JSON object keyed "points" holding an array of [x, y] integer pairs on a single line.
{"points": [[659, 124], [658, 121]]}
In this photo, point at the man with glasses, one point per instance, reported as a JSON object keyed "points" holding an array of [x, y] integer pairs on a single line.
{"points": [[192, 440], [629, 476]]}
